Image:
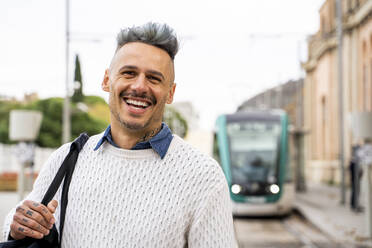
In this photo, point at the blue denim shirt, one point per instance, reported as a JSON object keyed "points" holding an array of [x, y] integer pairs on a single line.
{"points": [[160, 142]]}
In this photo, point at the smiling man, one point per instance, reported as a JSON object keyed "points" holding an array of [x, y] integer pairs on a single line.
{"points": [[140, 81], [136, 184]]}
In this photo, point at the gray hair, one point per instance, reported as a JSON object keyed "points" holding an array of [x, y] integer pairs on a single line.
{"points": [[155, 34]]}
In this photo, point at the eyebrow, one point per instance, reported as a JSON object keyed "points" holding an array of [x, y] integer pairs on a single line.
{"points": [[132, 67]]}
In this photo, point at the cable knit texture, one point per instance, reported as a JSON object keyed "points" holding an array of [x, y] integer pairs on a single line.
{"points": [[132, 198]]}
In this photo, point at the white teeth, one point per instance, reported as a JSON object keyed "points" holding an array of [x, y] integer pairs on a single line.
{"points": [[137, 103]]}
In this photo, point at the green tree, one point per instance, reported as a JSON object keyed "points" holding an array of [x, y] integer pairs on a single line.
{"points": [[51, 126], [92, 100], [93, 121], [78, 87], [175, 121]]}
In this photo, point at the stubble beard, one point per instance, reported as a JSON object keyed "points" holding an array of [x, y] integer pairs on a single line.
{"points": [[133, 126]]}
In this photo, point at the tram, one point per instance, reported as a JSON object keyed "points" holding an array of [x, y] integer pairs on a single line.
{"points": [[252, 148]]}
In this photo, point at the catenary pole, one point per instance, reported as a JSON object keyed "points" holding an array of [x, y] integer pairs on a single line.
{"points": [[66, 132], [299, 133], [340, 99]]}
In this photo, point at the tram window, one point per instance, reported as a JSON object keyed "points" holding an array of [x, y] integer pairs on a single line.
{"points": [[216, 152], [254, 150]]}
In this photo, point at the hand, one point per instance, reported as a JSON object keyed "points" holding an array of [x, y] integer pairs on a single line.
{"points": [[33, 219]]}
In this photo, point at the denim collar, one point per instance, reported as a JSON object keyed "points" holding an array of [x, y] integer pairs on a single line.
{"points": [[160, 142]]}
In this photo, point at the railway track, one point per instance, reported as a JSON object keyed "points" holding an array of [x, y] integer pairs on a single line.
{"points": [[307, 234], [293, 231]]}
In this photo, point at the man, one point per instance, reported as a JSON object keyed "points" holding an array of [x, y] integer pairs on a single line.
{"points": [[355, 175], [136, 184], [364, 157]]}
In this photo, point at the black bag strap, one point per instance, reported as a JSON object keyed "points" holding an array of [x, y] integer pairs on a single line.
{"points": [[65, 171]]}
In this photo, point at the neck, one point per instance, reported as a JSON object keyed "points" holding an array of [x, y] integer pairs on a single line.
{"points": [[148, 135], [127, 138]]}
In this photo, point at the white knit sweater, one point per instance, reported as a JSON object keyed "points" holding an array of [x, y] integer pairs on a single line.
{"points": [[133, 198]]}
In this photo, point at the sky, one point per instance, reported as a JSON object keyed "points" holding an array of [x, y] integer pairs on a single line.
{"points": [[230, 49]]}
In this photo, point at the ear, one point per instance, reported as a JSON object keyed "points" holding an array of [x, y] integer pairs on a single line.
{"points": [[171, 93], [106, 81]]}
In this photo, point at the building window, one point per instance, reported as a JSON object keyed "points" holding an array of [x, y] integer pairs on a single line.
{"points": [[370, 83], [349, 7], [322, 24], [370, 70], [366, 81], [365, 89], [323, 128]]}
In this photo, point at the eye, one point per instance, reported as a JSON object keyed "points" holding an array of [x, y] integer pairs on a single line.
{"points": [[153, 79], [128, 74]]}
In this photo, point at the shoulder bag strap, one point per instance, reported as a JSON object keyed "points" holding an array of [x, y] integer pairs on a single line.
{"points": [[65, 171]]}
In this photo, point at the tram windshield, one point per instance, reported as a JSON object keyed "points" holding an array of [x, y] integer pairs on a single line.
{"points": [[254, 151]]}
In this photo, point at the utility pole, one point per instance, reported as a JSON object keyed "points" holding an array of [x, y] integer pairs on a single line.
{"points": [[66, 133], [299, 133], [340, 100]]}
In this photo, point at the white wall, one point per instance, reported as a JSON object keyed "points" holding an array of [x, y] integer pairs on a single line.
{"points": [[9, 162]]}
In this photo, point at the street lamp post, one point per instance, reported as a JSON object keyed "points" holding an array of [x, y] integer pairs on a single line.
{"points": [[66, 135], [340, 100]]}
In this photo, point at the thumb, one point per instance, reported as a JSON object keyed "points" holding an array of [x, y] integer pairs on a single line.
{"points": [[52, 205]]}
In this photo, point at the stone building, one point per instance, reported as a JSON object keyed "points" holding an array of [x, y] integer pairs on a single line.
{"points": [[283, 96], [321, 101]]}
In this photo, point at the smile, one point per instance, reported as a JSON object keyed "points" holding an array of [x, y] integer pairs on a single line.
{"points": [[136, 103]]}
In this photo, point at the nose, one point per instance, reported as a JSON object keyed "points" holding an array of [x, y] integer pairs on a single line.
{"points": [[139, 85]]}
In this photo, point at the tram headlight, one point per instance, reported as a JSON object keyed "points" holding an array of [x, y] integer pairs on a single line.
{"points": [[236, 188], [274, 188]]}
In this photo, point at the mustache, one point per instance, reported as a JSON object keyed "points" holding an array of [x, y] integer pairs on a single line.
{"points": [[143, 95]]}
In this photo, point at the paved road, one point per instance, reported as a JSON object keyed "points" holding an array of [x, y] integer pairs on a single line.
{"points": [[290, 232], [7, 201]]}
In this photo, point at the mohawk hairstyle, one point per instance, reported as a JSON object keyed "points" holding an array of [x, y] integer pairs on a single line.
{"points": [[155, 34]]}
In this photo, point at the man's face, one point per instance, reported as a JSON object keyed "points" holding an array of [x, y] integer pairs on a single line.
{"points": [[140, 82]]}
